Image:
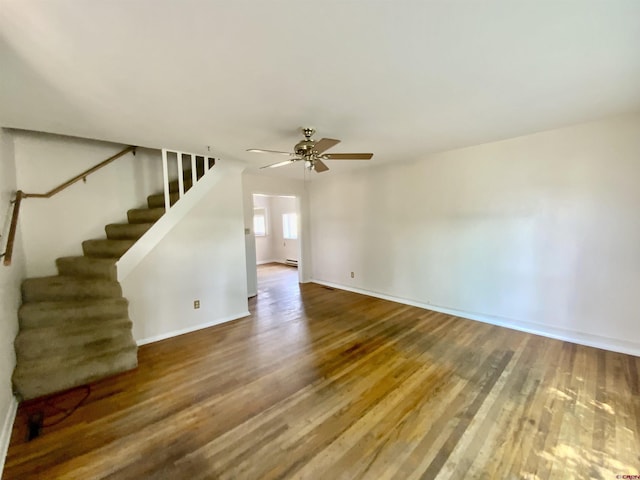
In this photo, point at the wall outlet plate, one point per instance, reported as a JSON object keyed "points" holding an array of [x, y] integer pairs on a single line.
{"points": [[196, 304]]}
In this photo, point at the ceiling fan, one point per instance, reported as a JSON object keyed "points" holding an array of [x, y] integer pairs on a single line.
{"points": [[313, 153]]}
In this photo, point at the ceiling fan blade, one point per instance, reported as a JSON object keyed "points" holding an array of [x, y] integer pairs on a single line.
{"points": [[347, 156], [325, 144], [319, 166], [279, 164], [260, 150]]}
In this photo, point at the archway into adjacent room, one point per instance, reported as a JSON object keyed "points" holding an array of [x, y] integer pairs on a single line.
{"points": [[277, 233]]}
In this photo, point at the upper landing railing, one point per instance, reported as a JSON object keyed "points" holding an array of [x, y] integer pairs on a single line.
{"points": [[196, 172]]}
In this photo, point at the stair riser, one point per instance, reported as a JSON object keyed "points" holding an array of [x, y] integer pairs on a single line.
{"points": [[127, 231], [34, 344], [70, 360], [106, 248], [54, 292], [174, 188], [39, 315], [145, 215], [32, 384], [157, 201], [84, 267]]}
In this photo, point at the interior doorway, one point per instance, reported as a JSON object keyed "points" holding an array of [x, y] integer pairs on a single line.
{"points": [[276, 227]]}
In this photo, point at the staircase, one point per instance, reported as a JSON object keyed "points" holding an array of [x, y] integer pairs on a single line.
{"points": [[75, 326]]}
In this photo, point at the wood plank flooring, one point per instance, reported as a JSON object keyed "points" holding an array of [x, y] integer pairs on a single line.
{"points": [[327, 384]]}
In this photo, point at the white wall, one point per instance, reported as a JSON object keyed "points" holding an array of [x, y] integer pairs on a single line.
{"points": [[201, 258], [540, 232], [264, 244], [252, 183], [10, 279], [56, 227]]}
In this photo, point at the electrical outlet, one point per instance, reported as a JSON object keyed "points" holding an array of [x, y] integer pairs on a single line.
{"points": [[196, 304], [353, 275]]}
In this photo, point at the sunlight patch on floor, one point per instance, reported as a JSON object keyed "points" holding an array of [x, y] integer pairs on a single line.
{"points": [[575, 461]]}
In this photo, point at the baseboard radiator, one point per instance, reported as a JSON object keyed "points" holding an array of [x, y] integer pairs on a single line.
{"points": [[291, 262]]}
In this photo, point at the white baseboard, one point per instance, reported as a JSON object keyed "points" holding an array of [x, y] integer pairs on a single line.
{"points": [[5, 434], [282, 261], [590, 340], [182, 331]]}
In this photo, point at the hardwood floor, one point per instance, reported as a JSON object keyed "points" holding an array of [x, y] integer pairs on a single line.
{"points": [[327, 384]]}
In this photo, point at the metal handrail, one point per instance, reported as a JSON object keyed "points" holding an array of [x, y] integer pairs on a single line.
{"points": [[20, 195], [79, 177], [8, 254]]}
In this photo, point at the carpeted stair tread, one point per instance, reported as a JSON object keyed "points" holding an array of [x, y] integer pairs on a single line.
{"points": [[75, 358], [91, 267], [105, 248], [59, 287], [157, 201], [69, 341], [127, 231], [145, 215], [33, 381], [44, 314]]}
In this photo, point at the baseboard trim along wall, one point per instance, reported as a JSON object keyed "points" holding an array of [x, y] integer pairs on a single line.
{"points": [[580, 338], [5, 434], [182, 331]]}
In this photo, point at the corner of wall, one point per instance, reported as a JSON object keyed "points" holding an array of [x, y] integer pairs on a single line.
{"points": [[10, 279]]}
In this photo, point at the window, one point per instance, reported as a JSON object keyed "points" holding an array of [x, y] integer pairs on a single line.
{"points": [[290, 226], [260, 222]]}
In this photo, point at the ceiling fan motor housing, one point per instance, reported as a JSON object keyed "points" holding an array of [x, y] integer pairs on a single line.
{"points": [[305, 148]]}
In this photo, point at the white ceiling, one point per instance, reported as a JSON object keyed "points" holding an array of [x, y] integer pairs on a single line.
{"points": [[397, 78]]}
